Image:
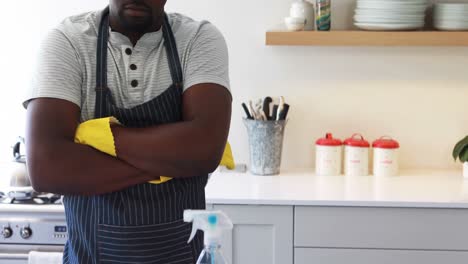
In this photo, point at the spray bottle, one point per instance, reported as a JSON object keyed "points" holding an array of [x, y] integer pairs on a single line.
{"points": [[212, 223]]}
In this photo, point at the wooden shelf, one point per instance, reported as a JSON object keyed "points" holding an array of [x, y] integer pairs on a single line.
{"points": [[367, 38]]}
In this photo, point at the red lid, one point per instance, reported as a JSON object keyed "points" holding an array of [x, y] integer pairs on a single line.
{"points": [[357, 140], [328, 141], [386, 143]]}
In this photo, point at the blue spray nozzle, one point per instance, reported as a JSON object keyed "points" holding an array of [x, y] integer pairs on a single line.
{"points": [[213, 220], [212, 223]]}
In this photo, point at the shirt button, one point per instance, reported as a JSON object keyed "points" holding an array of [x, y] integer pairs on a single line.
{"points": [[128, 51], [134, 83], [133, 67]]}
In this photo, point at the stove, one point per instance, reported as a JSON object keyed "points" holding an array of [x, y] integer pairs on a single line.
{"points": [[30, 222], [30, 198]]}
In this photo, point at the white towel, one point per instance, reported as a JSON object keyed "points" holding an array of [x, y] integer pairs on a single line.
{"points": [[45, 258]]}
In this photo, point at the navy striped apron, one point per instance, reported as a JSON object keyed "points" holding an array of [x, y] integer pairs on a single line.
{"points": [[143, 223]]}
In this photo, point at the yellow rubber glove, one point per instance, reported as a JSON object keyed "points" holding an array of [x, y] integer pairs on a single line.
{"points": [[97, 133], [228, 158]]}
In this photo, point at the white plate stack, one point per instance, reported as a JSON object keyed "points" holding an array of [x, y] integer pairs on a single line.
{"points": [[451, 16], [390, 14]]}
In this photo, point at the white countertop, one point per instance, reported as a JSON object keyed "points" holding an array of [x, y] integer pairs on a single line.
{"points": [[429, 189]]}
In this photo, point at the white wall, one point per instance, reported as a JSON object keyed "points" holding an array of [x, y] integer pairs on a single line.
{"points": [[416, 95], [23, 25]]}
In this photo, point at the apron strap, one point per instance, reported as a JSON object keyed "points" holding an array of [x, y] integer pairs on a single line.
{"points": [[101, 66], [172, 54]]}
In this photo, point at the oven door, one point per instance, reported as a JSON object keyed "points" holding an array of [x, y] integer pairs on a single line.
{"points": [[18, 254]]}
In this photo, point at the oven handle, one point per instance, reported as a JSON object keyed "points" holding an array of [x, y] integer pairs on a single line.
{"points": [[14, 256]]}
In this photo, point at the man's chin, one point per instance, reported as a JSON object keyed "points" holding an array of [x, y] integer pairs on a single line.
{"points": [[137, 24], [137, 13]]}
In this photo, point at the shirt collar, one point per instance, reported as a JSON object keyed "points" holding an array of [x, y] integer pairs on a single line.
{"points": [[147, 41]]}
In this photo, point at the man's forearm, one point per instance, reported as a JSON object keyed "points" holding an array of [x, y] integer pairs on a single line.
{"points": [[59, 165], [175, 150], [68, 168], [192, 147]]}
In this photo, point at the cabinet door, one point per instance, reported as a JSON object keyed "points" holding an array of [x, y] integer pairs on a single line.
{"points": [[261, 234], [381, 228], [369, 256]]}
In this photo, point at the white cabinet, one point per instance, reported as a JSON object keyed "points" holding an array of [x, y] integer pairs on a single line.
{"points": [[368, 235], [381, 228], [345, 235], [261, 234], [370, 256]]}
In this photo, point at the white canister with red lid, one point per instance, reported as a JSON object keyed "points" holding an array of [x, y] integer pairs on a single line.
{"points": [[328, 156], [385, 157], [356, 156]]}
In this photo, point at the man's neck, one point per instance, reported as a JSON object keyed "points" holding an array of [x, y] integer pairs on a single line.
{"points": [[134, 36]]}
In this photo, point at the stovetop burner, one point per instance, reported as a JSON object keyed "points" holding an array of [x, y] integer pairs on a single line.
{"points": [[29, 198]]}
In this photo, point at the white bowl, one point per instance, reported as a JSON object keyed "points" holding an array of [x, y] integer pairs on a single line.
{"points": [[386, 4], [396, 7], [456, 15], [384, 27], [294, 23], [452, 19], [384, 19], [450, 13], [389, 14], [451, 6], [451, 25], [399, 1]]}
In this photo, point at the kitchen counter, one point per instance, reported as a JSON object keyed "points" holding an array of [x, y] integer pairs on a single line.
{"points": [[425, 189], [298, 218]]}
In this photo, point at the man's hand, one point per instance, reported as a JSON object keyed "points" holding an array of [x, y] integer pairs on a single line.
{"points": [[97, 133]]}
